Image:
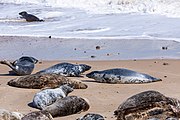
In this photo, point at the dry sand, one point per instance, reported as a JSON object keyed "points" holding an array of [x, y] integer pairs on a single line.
{"points": [[104, 98]]}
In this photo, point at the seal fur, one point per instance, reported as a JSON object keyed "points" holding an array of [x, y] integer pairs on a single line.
{"points": [[120, 75], [38, 115], [29, 17], [38, 81], [49, 96], [91, 116]]}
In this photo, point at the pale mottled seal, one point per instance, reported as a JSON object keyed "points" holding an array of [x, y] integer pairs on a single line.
{"points": [[148, 105], [22, 66], [67, 106], [29, 17], [66, 69], [121, 76], [7, 115], [49, 96], [92, 116], [38, 81], [38, 115]]}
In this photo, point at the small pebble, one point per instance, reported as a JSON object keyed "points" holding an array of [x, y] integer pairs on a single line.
{"points": [[165, 63], [49, 36], [97, 47], [93, 56]]}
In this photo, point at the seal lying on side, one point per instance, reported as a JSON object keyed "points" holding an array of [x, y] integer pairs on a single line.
{"points": [[121, 76], [66, 69], [148, 105], [67, 106], [7, 115], [38, 115], [22, 66], [29, 17], [91, 116], [38, 81], [49, 96]]}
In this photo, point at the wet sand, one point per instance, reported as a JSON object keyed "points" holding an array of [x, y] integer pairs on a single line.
{"points": [[104, 98]]}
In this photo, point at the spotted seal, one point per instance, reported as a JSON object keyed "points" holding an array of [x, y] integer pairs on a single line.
{"points": [[7, 115], [21, 66], [38, 115], [66, 69], [148, 105], [91, 116], [38, 81], [121, 75], [49, 96], [67, 106], [29, 17]]}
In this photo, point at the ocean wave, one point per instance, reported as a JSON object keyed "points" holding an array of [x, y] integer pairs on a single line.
{"points": [[169, 8]]}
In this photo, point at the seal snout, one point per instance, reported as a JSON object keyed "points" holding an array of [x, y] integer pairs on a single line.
{"points": [[85, 67], [91, 74]]}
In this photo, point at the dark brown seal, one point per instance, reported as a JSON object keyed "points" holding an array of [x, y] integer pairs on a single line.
{"points": [[38, 81], [150, 105], [29, 17], [67, 106], [38, 115]]}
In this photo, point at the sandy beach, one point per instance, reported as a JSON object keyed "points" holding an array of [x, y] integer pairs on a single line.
{"points": [[104, 98]]}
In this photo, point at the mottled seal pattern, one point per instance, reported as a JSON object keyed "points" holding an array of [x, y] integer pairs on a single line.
{"points": [[38, 115], [49, 96], [67, 106], [119, 75], [66, 69], [148, 105], [38, 81], [22, 66], [29, 17], [91, 116], [7, 115]]}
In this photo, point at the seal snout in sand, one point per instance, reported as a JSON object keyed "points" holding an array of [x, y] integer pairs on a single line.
{"points": [[66, 69], [29, 17], [22, 66], [49, 96], [67, 106], [150, 105], [120, 75]]}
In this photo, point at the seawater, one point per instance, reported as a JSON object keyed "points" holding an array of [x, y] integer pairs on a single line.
{"points": [[108, 19]]}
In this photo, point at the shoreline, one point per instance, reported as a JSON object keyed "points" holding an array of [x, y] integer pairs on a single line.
{"points": [[45, 48]]}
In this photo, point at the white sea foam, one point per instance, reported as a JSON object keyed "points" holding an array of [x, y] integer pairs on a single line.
{"points": [[163, 7]]}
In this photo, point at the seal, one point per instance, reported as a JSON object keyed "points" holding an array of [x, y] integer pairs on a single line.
{"points": [[49, 96], [7, 115], [22, 66], [38, 81], [38, 115], [29, 17], [91, 116], [67, 106], [148, 105], [120, 75], [66, 69]]}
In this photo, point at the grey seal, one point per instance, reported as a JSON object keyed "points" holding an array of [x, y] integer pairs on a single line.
{"points": [[29, 17], [49, 96], [7, 115], [22, 66], [91, 116], [67, 106], [38, 81], [66, 69], [120, 75], [38, 115], [150, 105]]}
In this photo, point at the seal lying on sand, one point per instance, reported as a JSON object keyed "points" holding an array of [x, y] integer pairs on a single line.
{"points": [[121, 76], [7, 115], [150, 105], [29, 17], [38, 115], [49, 96], [67, 106], [91, 116], [22, 66], [66, 69], [38, 81]]}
